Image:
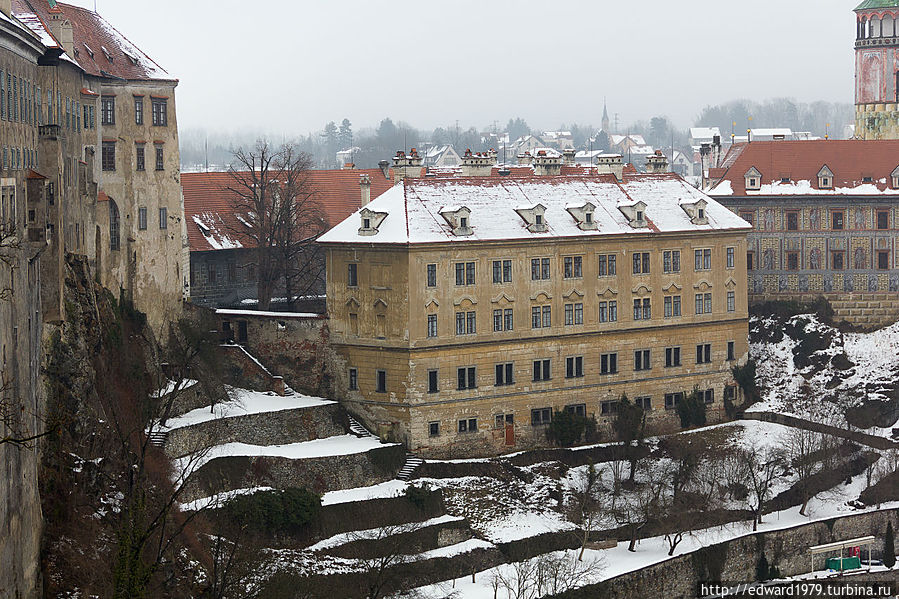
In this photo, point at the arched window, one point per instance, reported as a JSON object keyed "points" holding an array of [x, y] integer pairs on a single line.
{"points": [[113, 225], [886, 27], [874, 27], [862, 28]]}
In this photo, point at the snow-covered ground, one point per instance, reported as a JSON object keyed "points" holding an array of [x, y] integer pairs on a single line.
{"points": [[823, 392], [391, 488], [243, 402]]}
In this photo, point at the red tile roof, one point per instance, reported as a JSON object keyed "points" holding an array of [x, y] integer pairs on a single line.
{"points": [[99, 48], [851, 161], [208, 201]]}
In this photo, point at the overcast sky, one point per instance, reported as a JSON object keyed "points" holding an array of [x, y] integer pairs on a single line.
{"points": [[291, 66]]}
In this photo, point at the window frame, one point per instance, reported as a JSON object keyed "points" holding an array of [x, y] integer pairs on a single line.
{"points": [[380, 381]]}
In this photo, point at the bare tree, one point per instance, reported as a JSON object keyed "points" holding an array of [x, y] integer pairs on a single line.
{"points": [[278, 213], [644, 505], [803, 449], [545, 575], [758, 466], [630, 426], [588, 504], [383, 571]]}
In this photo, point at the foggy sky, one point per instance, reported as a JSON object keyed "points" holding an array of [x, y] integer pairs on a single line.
{"points": [[291, 66]]}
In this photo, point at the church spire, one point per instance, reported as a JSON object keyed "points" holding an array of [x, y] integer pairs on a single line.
{"points": [[605, 116]]}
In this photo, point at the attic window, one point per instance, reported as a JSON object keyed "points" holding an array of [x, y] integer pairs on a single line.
{"points": [[106, 53], [458, 217], [695, 209], [867, 179], [534, 217], [825, 182], [639, 215], [463, 223], [753, 179], [88, 48], [895, 177], [825, 178], [583, 215], [371, 220], [635, 213], [784, 179], [700, 213], [588, 217], [538, 219]]}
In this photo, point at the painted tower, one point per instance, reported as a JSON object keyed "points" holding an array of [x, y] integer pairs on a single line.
{"points": [[877, 70]]}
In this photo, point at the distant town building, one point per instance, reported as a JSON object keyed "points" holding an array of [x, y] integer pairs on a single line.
{"points": [[559, 140], [442, 157], [824, 217], [876, 74], [471, 309], [222, 260]]}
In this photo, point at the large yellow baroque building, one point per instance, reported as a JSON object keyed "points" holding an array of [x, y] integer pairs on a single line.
{"points": [[470, 309]]}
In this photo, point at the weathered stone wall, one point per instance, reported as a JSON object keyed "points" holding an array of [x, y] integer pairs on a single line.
{"points": [[317, 474], [736, 560], [244, 370], [865, 310], [269, 428]]}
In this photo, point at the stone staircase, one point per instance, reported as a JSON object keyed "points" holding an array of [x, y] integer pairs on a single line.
{"points": [[357, 429], [158, 438], [411, 465]]}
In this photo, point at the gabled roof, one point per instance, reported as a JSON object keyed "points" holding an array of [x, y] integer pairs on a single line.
{"points": [[413, 208], [872, 4], [209, 204], [851, 161], [100, 49]]}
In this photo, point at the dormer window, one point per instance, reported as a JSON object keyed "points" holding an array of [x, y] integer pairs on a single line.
{"points": [[867, 179], [534, 216], [583, 215], [459, 218], [371, 220], [895, 177], [696, 210], [635, 213], [825, 178], [753, 179]]}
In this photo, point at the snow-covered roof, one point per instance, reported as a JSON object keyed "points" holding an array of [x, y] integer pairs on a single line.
{"points": [[704, 132], [772, 132], [414, 208]]}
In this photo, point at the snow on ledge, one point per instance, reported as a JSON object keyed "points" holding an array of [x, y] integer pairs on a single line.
{"points": [[228, 312]]}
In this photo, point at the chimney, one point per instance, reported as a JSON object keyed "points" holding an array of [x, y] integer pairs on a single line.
{"points": [[384, 165], [407, 165], [61, 28], [477, 165], [657, 163], [569, 157], [365, 187], [705, 156], [610, 164], [6, 7], [546, 165], [525, 159]]}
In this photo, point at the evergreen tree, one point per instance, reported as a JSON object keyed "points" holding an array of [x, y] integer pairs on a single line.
{"points": [[345, 135], [691, 409], [329, 137], [762, 570], [889, 547]]}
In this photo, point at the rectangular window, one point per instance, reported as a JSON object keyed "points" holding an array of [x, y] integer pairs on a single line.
{"points": [[432, 275], [607, 408], [672, 306], [608, 364], [352, 279], [574, 367], [792, 221], [138, 110], [641, 263], [703, 303], [541, 416], [107, 157], [606, 265], [466, 378], [644, 402], [432, 325], [672, 399], [883, 259], [579, 409], [792, 260], [702, 259], [465, 273], [672, 357], [160, 159], [502, 271], [107, 110], [433, 429], [709, 396], [142, 218], [573, 267], [730, 351], [641, 360], [460, 273], [837, 260], [671, 261], [497, 320], [731, 301], [381, 381], [731, 255], [883, 220], [704, 353], [160, 112], [540, 269], [468, 425], [541, 370], [354, 379], [433, 381], [642, 309], [836, 220], [140, 157], [504, 374], [541, 316], [466, 323], [507, 319], [574, 314]]}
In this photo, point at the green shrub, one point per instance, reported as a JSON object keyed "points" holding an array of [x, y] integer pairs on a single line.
{"points": [[567, 428], [418, 495], [288, 510], [889, 547], [762, 570], [745, 378], [691, 409]]}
